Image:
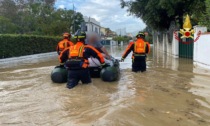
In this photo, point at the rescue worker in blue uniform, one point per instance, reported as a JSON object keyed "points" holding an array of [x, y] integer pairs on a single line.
{"points": [[76, 60], [140, 48]]}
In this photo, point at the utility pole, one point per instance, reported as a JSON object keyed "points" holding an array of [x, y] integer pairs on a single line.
{"points": [[74, 18], [125, 31]]}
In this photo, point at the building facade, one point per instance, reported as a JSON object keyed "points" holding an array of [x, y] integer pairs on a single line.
{"points": [[103, 31], [91, 25]]}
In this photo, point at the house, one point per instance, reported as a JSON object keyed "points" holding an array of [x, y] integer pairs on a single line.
{"points": [[91, 25], [103, 31]]}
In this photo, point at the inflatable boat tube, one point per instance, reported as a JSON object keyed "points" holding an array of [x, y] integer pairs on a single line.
{"points": [[59, 75], [109, 73]]}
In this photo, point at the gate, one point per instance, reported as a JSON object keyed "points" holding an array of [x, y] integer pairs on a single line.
{"points": [[186, 48]]}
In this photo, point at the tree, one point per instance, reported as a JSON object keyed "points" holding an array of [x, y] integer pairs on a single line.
{"points": [[8, 9], [122, 38], [7, 26], [205, 18], [78, 19], [38, 17], [158, 14], [148, 37], [108, 31]]}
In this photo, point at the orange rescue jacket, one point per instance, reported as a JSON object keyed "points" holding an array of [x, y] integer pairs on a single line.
{"points": [[139, 47], [77, 56], [63, 45]]}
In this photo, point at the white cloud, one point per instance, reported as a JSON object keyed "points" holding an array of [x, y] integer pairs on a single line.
{"points": [[61, 6], [108, 12]]}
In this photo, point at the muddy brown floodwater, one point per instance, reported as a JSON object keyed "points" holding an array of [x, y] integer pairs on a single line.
{"points": [[171, 93]]}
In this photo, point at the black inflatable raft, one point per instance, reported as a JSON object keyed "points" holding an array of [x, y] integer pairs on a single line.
{"points": [[59, 75], [109, 73]]}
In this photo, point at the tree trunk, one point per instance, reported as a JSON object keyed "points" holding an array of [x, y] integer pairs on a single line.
{"points": [[181, 21]]}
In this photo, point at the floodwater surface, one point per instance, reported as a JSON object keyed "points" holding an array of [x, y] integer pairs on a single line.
{"points": [[171, 93]]}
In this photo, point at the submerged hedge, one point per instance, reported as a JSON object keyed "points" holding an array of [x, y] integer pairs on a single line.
{"points": [[20, 45]]}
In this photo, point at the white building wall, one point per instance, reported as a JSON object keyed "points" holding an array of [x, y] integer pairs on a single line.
{"points": [[201, 50], [92, 24], [201, 55], [113, 43], [196, 49], [164, 43], [175, 47]]}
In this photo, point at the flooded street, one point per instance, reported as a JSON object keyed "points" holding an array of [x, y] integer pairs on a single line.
{"points": [[171, 93]]}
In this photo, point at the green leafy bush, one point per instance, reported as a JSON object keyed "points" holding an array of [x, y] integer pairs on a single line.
{"points": [[20, 45]]}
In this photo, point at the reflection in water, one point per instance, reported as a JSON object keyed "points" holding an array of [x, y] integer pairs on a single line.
{"points": [[169, 93]]}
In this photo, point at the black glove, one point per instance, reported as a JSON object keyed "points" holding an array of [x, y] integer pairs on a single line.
{"points": [[104, 65], [122, 60], [62, 65]]}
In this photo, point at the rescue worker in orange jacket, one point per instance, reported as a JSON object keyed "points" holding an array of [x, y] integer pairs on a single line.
{"points": [[140, 48], [76, 60], [65, 43]]}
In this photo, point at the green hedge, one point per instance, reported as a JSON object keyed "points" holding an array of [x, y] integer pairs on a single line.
{"points": [[20, 45]]}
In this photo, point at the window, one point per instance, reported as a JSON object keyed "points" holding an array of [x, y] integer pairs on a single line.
{"points": [[96, 29], [86, 28]]}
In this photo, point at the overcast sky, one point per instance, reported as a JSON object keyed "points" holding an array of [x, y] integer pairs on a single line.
{"points": [[107, 12]]}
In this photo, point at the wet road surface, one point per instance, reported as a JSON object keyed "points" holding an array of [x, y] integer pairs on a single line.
{"points": [[171, 92]]}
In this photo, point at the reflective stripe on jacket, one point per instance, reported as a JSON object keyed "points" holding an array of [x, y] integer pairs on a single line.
{"points": [[139, 48], [65, 43], [80, 51]]}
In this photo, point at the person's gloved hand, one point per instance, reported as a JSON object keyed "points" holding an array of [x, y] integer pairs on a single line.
{"points": [[61, 64], [122, 60], [104, 65]]}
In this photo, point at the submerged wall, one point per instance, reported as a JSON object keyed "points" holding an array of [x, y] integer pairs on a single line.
{"points": [[201, 48], [163, 43], [24, 60], [201, 55]]}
